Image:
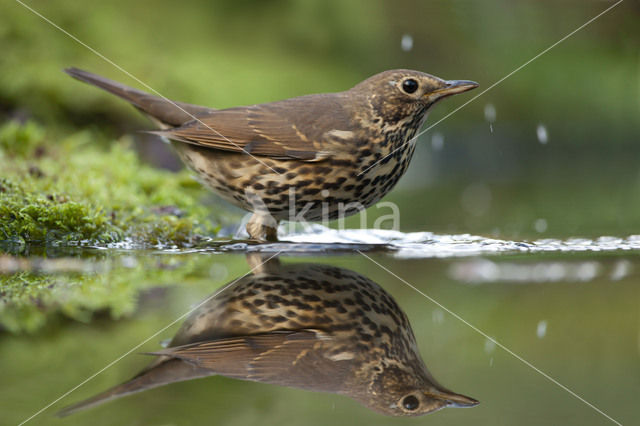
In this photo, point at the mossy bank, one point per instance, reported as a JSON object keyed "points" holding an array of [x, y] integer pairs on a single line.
{"points": [[82, 189], [73, 192]]}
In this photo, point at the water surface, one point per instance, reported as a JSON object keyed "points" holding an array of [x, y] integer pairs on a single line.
{"points": [[569, 308]]}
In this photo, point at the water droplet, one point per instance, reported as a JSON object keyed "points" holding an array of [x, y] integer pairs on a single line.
{"points": [[540, 225], [437, 316], [490, 113], [489, 346], [541, 132], [437, 141], [621, 269], [406, 43], [587, 271], [541, 330]]}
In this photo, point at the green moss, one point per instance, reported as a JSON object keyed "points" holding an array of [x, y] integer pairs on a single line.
{"points": [[72, 192], [20, 139], [46, 291], [57, 192]]}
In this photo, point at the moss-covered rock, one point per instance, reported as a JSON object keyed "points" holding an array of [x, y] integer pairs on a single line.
{"points": [[70, 191]]}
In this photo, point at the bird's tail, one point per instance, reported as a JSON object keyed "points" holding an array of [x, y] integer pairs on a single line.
{"points": [[161, 372], [164, 111]]}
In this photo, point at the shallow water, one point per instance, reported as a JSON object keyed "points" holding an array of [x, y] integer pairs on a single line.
{"points": [[320, 239], [537, 331]]}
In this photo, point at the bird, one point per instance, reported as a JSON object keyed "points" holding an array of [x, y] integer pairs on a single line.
{"points": [[307, 158], [310, 326]]}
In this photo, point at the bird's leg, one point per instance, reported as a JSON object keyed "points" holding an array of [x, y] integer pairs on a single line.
{"points": [[262, 228], [264, 263]]}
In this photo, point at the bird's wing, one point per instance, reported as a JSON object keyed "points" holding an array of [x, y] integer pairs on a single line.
{"points": [[288, 358], [290, 129]]}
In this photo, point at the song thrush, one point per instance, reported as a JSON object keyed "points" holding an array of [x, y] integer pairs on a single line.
{"points": [[308, 326], [314, 157]]}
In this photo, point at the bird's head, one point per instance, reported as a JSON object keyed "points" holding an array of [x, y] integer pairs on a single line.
{"points": [[398, 392], [398, 94]]}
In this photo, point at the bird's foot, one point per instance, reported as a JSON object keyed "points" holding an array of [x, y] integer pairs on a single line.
{"points": [[262, 229]]}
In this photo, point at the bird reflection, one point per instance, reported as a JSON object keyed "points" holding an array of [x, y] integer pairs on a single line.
{"points": [[309, 326]]}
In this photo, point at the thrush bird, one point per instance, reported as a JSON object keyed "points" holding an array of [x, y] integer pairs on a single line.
{"points": [[308, 326], [309, 158]]}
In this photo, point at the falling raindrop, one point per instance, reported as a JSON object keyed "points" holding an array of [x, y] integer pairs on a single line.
{"points": [[541, 132], [540, 225], [541, 330], [437, 141], [437, 316], [489, 346], [407, 43], [490, 113]]}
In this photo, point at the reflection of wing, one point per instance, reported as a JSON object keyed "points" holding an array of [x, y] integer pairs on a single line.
{"points": [[288, 358], [282, 130]]}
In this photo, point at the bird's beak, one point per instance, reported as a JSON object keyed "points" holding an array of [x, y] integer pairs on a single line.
{"points": [[450, 399], [452, 87]]}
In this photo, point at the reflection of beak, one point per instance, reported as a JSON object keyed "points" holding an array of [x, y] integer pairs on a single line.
{"points": [[452, 87], [449, 398]]}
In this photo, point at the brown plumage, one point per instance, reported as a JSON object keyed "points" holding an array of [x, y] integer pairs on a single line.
{"points": [[314, 327], [304, 158]]}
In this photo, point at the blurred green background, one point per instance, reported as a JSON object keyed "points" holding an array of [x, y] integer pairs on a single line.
{"points": [[488, 169]]}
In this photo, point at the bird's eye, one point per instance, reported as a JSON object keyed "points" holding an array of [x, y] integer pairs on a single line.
{"points": [[409, 85], [410, 403]]}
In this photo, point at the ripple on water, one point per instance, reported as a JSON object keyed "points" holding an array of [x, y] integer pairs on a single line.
{"points": [[428, 244], [320, 239]]}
